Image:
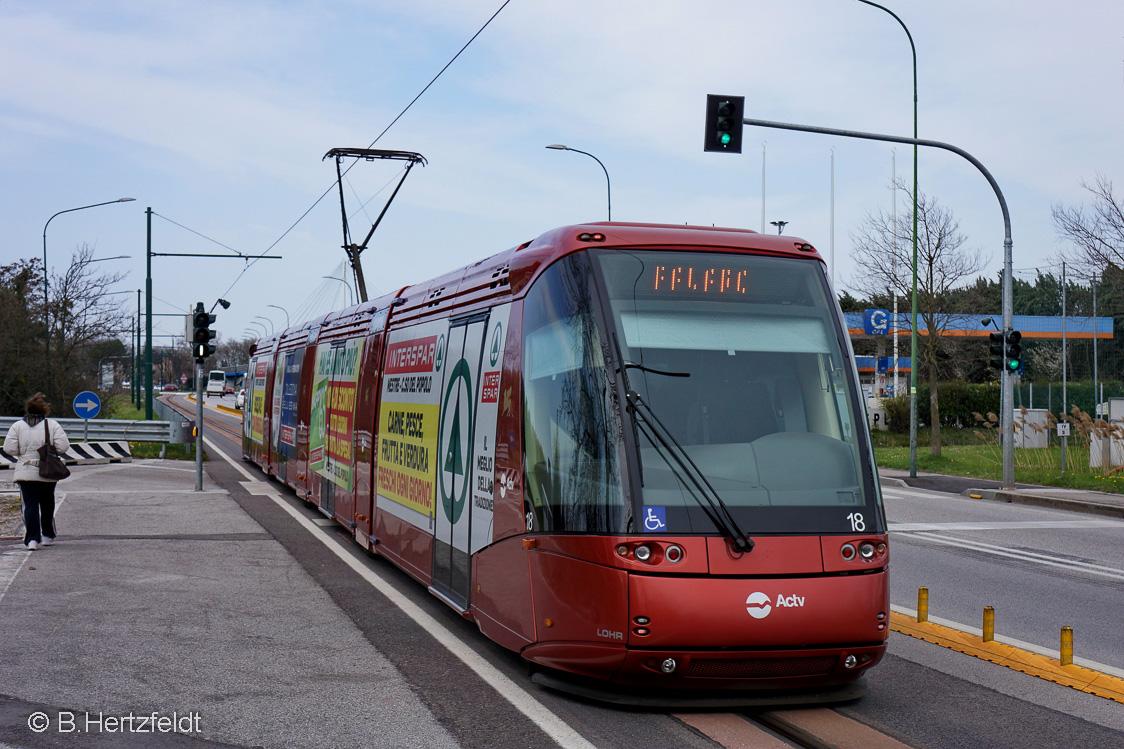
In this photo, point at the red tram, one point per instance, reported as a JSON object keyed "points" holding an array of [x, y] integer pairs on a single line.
{"points": [[634, 454]]}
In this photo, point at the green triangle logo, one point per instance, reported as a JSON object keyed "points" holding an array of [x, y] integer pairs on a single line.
{"points": [[454, 463]]}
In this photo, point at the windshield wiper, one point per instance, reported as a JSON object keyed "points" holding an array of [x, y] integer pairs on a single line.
{"points": [[709, 499], [642, 368]]}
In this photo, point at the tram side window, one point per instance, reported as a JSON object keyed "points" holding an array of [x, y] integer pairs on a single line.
{"points": [[570, 424]]}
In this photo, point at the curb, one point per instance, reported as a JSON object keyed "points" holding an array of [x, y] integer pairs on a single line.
{"points": [[1076, 677], [1038, 500]]}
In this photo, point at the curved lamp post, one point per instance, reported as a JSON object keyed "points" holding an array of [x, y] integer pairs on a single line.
{"points": [[263, 317], [608, 187], [350, 296], [913, 323], [283, 310], [46, 297]]}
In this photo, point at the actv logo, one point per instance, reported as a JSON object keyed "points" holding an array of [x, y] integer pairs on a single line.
{"points": [[758, 604]]}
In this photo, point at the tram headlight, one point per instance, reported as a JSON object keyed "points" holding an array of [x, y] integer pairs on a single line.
{"points": [[866, 551], [850, 661], [848, 551], [643, 553], [674, 554], [668, 666]]}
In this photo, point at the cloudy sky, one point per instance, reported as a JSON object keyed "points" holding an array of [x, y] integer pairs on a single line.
{"points": [[216, 115]]}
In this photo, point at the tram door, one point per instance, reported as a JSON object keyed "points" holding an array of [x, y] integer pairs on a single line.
{"points": [[460, 389]]}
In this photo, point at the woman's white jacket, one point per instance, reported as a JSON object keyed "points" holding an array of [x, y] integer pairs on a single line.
{"points": [[23, 443]]}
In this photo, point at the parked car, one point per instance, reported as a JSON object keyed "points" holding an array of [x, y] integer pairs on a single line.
{"points": [[240, 398]]}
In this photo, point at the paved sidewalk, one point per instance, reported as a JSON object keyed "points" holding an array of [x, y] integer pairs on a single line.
{"points": [[1073, 500], [159, 600]]}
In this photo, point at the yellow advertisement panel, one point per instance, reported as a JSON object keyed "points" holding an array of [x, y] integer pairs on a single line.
{"points": [[257, 401], [407, 454], [410, 423]]}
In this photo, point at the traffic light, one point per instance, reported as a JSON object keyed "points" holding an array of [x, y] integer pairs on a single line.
{"points": [[1014, 356], [724, 116], [202, 334], [997, 356]]}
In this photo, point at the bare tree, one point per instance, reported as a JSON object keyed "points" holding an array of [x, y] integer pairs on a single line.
{"points": [[1097, 232], [82, 316], [233, 355], [884, 253]]}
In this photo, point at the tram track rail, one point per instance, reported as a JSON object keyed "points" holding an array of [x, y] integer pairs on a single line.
{"points": [[208, 420], [787, 732], [802, 727]]}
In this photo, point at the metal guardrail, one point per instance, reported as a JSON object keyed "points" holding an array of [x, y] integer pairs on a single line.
{"points": [[84, 454], [106, 430]]}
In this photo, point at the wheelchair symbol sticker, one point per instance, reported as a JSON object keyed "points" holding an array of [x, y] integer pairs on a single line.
{"points": [[655, 519]]}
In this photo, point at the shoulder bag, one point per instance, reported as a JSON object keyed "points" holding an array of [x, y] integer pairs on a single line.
{"points": [[51, 466]]}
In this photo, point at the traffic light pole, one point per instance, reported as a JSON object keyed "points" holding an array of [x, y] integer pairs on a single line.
{"points": [[198, 425], [1006, 404]]}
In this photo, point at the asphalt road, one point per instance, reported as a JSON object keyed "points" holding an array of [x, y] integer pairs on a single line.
{"points": [[921, 694], [372, 626], [1040, 569]]}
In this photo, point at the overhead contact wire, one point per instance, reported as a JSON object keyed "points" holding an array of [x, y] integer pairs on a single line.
{"points": [[376, 140]]}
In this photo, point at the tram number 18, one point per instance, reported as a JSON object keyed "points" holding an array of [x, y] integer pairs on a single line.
{"points": [[857, 523]]}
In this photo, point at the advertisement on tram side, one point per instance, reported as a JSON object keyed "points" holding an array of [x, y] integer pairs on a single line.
{"points": [[484, 432], [331, 421], [257, 401], [408, 422], [288, 387]]}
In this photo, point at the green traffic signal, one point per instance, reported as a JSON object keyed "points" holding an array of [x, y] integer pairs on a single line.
{"points": [[1014, 351], [724, 116], [202, 334]]}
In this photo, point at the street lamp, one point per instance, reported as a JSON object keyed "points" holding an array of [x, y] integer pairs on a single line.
{"points": [[283, 310], [913, 323], [608, 187], [262, 317], [99, 259], [780, 226], [46, 297], [350, 297]]}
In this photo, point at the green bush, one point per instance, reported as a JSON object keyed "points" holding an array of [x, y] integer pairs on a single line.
{"points": [[897, 413], [959, 400]]}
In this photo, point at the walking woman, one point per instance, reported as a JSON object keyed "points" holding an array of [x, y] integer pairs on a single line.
{"points": [[38, 494]]}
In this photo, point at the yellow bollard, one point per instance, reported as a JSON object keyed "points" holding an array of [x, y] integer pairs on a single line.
{"points": [[1067, 646], [989, 624], [923, 604]]}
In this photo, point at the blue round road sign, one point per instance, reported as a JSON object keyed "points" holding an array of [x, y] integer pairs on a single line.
{"points": [[87, 405]]}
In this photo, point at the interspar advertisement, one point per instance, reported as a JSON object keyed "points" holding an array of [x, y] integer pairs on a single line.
{"points": [[332, 418], [409, 422]]}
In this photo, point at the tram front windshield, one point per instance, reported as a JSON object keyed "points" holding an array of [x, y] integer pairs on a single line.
{"points": [[740, 360]]}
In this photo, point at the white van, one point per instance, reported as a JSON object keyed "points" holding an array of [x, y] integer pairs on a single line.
{"points": [[216, 383]]}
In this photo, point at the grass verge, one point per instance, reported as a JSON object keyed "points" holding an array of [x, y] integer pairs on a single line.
{"points": [[121, 407], [1032, 466]]}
